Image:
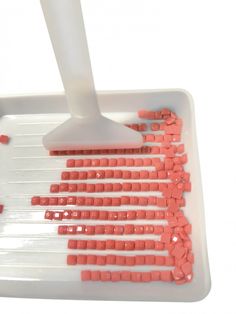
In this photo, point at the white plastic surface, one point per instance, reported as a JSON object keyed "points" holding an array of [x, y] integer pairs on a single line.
{"points": [[32, 255], [66, 29]]}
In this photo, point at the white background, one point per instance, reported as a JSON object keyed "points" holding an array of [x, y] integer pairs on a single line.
{"points": [[138, 44]]}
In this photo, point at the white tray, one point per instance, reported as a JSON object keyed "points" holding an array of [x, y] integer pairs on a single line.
{"points": [[32, 256]]}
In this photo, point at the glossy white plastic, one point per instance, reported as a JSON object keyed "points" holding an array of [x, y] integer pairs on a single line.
{"points": [[66, 29]]}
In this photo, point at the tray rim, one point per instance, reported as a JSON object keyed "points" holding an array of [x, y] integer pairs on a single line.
{"points": [[13, 100]]}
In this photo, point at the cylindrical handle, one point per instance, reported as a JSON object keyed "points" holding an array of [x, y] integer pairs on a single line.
{"points": [[66, 29]]}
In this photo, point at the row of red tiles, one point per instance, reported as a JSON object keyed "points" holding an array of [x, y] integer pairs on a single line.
{"points": [[172, 203], [146, 150], [110, 215], [172, 189], [120, 245], [164, 231], [119, 162], [171, 125], [141, 127], [125, 174], [155, 126], [130, 245], [121, 260], [165, 141], [96, 275], [164, 114], [129, 162], [111, 229]]}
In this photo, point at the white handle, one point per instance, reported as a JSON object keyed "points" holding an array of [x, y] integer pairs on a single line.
{"points": [[66, 29]]}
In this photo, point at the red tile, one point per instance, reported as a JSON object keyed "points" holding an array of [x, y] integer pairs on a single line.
{"points": [[101, 260], [94, 214], [75, 214], [57, 215], [99, 187], [95, 162], [128, 229], [87, 163], [79, 163], [136, 276], [149, 244], [160, 260], [91, 244], [71, 200], [95, 275], [115, 276], [108, 187], [100, 174], [158, 229], [139, 244], [89, 230], [141, 214], [81, 259], [138, 229], [79, 229], [105, 275], [135, 187], [85, 275], [119, 245], [110, 244], [150, 214], [108, 229], [109, 174], [72, 244], [80, 201], [130, 260], [99, 229], [122, 215], [54, 188], [96, 202], [159, 246], [48, 214], [71, 260], [4, 139], [117, 187], [81, 244], [62, 230], [62, 201], [111, 259], [84, 214], [187, 268], [74, 175], [81, 187], [63, 187], [44, 201], [148, 229], [146, 277], [166, 275], [65, 175], [107, 201], [166, 238], [112, 215], [66, 214], [101, 245], [118, 229], [104, 162], [159, 214], [120, 260], [125, 275]]}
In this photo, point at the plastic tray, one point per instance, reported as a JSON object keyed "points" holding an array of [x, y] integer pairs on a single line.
{"points": [[32, 256]]}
